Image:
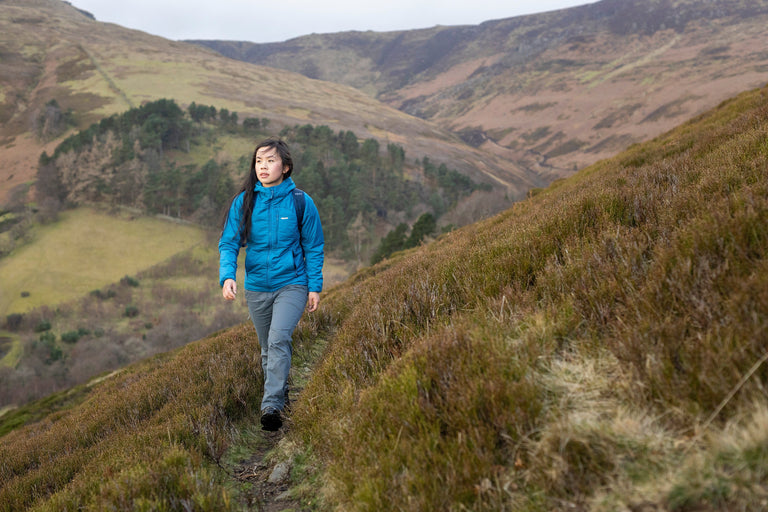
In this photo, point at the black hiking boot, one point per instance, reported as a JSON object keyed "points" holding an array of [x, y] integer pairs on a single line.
{"points": [[270, 419]]}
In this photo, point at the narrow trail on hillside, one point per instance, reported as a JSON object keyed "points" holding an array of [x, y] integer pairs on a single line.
{"points": [[263, 471], [266, 482], [267, 485]]}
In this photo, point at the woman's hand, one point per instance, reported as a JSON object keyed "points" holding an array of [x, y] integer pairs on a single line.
{"points": [[313, 300], [229, 290]]}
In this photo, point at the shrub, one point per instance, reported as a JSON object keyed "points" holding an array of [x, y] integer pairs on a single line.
{"points": [[129, 281], [104, 295], [47, 337], [131, 311], [70, 337], [55, 354], [43, 326], [51, 351], [13, 321]]}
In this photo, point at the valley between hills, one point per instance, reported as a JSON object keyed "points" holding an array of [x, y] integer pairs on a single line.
{"points": [[550, 92]]}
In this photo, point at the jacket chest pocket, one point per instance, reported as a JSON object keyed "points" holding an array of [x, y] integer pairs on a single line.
{"points": [[287, 227]]}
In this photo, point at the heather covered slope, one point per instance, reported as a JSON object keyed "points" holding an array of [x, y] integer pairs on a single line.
{"points": [[600, 346], [597, 346]]}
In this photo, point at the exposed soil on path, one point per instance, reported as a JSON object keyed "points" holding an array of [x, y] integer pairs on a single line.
{"points": [[267, 484], [266, 481], [263, 467]]}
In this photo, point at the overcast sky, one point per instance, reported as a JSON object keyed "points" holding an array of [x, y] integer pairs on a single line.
{"points": [[280, 20]]}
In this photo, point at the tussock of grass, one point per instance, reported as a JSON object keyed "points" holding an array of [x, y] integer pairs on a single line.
{"points": [[436, 409], [731, 475], [598, 346]]}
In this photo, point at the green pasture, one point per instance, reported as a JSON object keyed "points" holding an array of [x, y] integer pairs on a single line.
{"points": [[84, 251], [10, 349]]}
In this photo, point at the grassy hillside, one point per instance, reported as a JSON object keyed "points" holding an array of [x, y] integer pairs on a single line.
{"points": [[84, 251], [600, 346]]}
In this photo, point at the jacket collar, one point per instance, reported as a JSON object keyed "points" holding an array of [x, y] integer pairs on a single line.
{"points": [[283, 189]]}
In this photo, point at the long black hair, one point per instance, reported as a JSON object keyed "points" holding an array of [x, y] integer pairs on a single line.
{"points": [[250, 181]]}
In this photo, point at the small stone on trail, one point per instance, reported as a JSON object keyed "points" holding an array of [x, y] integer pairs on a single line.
{"points": [[283, 496], [279, 473]]}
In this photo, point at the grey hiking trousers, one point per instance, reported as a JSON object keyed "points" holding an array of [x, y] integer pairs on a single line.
{"points": [[275, 315]]}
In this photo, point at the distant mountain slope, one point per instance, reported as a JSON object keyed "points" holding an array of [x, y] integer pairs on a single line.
{"points": [[52, 51], [552, 91]]}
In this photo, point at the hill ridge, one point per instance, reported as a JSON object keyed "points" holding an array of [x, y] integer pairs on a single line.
{"points": [[547, 90]]}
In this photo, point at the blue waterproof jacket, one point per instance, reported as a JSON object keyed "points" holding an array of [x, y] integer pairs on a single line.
{"points": [[276, 253]]}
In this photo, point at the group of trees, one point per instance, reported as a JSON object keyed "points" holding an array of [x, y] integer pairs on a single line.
{"points": [[16, 220], [144, 134], [159, 125], [451, 184], [356, 184], [189, 192], [398, 239], [353, 184], [224, 118]]}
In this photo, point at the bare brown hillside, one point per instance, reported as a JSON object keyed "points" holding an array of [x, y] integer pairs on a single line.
{"points": [[554, 91], [52, 51]]}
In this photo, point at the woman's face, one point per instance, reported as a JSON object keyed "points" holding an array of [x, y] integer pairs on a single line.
{"points": [[269, 167]]}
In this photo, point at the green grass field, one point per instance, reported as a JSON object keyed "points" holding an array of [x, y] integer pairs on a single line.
{"points": [[10, 349], [84, 251]]}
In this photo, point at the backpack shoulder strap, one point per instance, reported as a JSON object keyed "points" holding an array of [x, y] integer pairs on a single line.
{"points": [[298, 202]]}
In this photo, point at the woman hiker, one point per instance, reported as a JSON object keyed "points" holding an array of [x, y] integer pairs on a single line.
{"points": [[280, 229]]}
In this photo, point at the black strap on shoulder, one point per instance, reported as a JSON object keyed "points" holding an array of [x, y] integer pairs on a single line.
{"points": [[298, 202]]}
